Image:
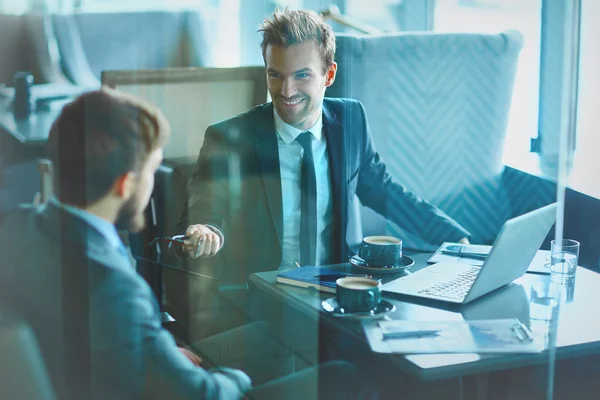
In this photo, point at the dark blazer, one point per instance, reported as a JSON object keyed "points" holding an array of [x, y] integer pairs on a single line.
{"points": [[236, 186], [131, 355]]}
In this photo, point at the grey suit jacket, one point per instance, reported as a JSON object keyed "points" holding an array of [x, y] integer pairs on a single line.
{"points": [[131, 355], [236, 186]]}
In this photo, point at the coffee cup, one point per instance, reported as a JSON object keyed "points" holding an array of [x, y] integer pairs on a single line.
{"points": [[381, 251], [357, 294]]}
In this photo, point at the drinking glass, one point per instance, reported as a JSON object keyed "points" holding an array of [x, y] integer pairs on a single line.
{"points": [[564, 257]]}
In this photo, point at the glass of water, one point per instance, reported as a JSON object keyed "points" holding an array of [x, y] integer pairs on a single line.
{"points": [[564, 257]]}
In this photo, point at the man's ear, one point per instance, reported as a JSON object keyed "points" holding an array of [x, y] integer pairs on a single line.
{"points": [[125, 185], [330, 74]]}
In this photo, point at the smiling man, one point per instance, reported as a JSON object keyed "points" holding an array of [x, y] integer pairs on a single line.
{"points": [[276, 185]]}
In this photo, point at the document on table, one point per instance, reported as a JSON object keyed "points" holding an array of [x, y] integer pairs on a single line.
{"points": [[540, 263], [476, 336]]}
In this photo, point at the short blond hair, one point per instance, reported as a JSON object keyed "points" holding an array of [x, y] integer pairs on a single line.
{"points": [[293, 27]]}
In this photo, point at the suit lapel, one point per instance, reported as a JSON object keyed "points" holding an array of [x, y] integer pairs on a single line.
{"points": [[337, 166], [267, 153]]}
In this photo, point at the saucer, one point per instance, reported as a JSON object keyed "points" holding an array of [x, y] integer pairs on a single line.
{"points": [[405, 262], [383, 308]]}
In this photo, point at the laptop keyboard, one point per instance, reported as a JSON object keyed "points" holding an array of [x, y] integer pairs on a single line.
{"points": [[456, 288]]}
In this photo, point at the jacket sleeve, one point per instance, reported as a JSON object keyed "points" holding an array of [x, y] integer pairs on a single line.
{"points": [[208, 187], [379, 191], [135, 356]]}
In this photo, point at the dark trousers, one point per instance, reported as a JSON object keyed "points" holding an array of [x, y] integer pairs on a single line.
{"points": [[276, 372], [334, 380]]}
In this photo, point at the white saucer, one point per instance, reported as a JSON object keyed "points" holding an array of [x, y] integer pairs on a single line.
{"points": [[383, 308], [405, 263]]}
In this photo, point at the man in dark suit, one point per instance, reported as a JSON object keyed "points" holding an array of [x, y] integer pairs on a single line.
{"points": [[276, 185], [66, 271]]}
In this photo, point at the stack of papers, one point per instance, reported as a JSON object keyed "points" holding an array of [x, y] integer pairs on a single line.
{"points": [[477, 336]]}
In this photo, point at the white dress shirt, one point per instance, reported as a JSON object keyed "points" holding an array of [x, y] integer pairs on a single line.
{"points": [[290, 164]]}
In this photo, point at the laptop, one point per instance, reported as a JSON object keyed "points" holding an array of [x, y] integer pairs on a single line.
{"points": [[512, 252]]}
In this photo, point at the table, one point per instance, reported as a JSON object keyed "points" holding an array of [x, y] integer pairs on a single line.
{"points": [[24, 139], [34, 129], [577, 332]]}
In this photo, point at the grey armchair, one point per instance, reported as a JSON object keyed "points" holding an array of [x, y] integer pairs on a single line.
{"points": [[438, 107]]}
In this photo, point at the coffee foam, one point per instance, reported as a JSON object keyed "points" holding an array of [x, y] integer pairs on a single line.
{"points": [[358, 283], [382, 240]]}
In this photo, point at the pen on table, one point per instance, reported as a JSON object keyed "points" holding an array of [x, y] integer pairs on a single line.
{"points": [[297, 264], [465, 255], [410, 335], [526, 331]]}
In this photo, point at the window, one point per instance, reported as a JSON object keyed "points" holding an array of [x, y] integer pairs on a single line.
{"points": [[383, 14], [493, 16], [588, 121], [115, 5]]}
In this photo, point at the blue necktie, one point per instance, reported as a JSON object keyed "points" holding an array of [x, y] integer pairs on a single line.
{"points": [[308, 190]]}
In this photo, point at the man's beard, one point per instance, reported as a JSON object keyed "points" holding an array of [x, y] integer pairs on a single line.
{"points": [[129, 218]]}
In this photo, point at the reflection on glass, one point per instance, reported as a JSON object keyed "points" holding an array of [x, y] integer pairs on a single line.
{"points": [[543, 299]]}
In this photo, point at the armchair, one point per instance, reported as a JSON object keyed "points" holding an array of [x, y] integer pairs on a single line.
{"points": [[438, 107]]}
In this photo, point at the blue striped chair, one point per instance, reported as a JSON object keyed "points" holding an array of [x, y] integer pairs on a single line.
{"points": [[438, 108]]}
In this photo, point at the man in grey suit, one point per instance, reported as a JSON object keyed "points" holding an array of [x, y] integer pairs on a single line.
{"points": [[66, 271]]}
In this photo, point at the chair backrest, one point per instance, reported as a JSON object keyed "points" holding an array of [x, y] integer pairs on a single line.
{"points": [[94, 42], [27, 43], [23, 374], [19, 184], [74, 62], [438, 108], [193, 98], [170, 192]]}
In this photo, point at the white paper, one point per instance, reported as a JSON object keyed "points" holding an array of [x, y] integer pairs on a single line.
{"points": [[540, 263], [482, 336]]}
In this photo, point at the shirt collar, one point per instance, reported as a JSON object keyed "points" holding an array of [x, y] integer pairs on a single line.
{"points": [[106, 228], [288, 133]]}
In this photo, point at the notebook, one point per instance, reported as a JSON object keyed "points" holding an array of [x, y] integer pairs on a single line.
{"points": [[320, 278]]}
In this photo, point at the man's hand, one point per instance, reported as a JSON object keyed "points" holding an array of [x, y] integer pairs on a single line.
{"points": [[201, 242], [464, 241], [197, 361]]}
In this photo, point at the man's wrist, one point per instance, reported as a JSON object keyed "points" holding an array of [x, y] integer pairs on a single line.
{"points": [[218, 232]]}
